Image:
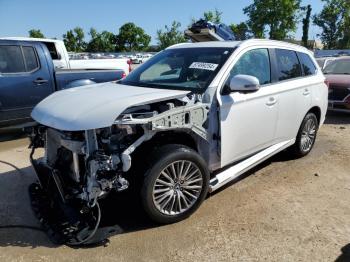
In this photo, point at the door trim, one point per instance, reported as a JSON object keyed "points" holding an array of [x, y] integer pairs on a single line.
{"points": [[237, 170]]}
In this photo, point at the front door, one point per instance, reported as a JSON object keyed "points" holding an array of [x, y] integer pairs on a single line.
{"points": [[248, 120]]}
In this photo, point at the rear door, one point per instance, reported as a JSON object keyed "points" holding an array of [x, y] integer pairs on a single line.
{"points": [[24, 81], [293, 83]]}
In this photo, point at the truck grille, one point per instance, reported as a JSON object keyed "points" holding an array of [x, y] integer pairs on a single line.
{"points": [[338, 93]]}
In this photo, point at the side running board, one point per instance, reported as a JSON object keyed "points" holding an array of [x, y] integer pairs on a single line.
{"points": [[235, 171]]}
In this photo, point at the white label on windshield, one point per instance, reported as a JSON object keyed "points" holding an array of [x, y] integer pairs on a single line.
{"points": [[204, 66]]}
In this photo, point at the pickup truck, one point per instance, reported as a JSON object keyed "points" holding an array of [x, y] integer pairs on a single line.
{"points": [[60, 57], [27, 76]]}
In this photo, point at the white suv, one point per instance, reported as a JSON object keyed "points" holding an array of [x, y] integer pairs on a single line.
{"points": [[188, 121]]}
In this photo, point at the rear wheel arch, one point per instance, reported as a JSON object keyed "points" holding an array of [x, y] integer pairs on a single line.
{"points": [[317, 111]]}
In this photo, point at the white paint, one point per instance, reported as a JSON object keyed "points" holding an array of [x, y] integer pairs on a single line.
{"points": [[250, 122], [95, 106], [235, 171]]}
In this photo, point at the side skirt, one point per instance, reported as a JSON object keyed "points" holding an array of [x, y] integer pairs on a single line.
{"points": [[235, 171]]}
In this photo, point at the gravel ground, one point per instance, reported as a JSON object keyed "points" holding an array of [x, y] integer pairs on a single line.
{"points": [[284, 210]]}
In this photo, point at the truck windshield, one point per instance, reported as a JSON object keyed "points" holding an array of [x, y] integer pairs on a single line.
{"points": [[190, 69]]}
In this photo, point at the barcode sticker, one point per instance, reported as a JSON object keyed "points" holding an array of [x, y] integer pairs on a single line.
{"points": [[204, 66]]}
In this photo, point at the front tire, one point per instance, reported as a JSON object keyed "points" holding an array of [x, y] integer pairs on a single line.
{"points": [[306, 137], [175, 184]]}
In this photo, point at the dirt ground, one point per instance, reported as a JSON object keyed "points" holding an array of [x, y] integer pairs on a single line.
{"points": [[284, 210]]}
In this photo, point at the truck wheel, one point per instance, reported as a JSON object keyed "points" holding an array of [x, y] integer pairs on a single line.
{"points": [[306, 136], [175, 184]]}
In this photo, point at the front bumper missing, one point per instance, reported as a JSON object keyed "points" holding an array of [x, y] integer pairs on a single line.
{"points": [[67, 222]]}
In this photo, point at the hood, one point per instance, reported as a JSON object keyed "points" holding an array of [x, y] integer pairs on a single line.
{"points": [[95, 106], [338, 79]]}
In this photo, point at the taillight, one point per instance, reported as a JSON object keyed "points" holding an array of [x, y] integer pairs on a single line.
{"points": [[129, 63], [123, 75], [326, 82]]}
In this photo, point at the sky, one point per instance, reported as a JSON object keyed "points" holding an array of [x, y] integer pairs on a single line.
{"points": [[54, 18]]}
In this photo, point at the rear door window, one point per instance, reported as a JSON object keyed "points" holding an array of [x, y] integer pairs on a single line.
{"points": [[11, 59], [31, 59], [309, 67], [288, 66]]}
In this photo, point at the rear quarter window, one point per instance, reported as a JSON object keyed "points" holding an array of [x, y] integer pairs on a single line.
{"points": [[309, 67], [52, 49], [288, 66]]}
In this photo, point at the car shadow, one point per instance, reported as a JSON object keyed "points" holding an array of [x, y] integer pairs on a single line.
{"points": [[282, 156], [11, 134], [345, 256], [337, 118], [121, 213], [18, 226]]}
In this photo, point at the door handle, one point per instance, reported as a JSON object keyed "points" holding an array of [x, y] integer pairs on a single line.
{"points": [[40, 81], [306, 92], [271, 101]]}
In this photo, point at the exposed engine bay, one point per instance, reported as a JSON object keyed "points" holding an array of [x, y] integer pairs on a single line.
{"points": [[81, 167]]}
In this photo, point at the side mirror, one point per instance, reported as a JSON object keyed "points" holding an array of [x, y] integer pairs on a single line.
{"points": [[59, 56], [244, 83]]}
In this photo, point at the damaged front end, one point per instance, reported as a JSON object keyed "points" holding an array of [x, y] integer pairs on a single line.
{"points": [[81, 167]]}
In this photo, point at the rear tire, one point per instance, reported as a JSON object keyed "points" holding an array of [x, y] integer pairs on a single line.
{"points": [[306, 137], [175, 184]]}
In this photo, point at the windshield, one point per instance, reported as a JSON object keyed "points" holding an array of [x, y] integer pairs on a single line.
{"points": [[338, 67], [190, 69]]}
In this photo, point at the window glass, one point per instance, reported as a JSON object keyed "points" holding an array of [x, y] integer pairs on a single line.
{"points": [[168, 68], [338, 67], [11, 59], [288, 65], [190, 69], [30, 58], [308, 66], [254, 63], [52, 49]]}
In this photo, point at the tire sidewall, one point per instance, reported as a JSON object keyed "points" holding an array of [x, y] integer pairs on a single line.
{"points": [[176, 153], [298, 148]]}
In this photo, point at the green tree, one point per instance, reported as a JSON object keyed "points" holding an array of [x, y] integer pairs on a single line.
{"points": [[241, 31], [132, 38], [36, 33], [278, 17], [101, 42], [306, 26], [74, 40], [171, 36], [344, 42], [331, 21], [213, 16]]}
